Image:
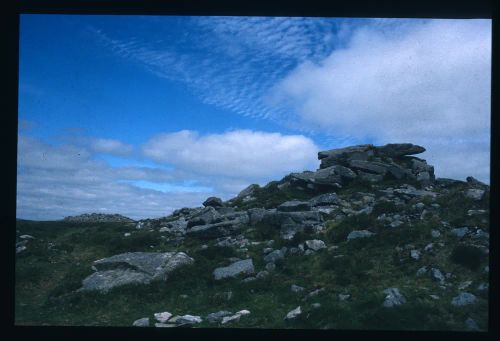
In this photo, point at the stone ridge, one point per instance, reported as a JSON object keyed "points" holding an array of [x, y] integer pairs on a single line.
{"points": [[97, 218]]}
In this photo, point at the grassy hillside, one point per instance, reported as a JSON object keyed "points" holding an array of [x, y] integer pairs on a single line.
{"points": [[52, 267]]}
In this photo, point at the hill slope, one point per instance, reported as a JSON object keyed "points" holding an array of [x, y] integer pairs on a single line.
{"points": [[371, 240]]}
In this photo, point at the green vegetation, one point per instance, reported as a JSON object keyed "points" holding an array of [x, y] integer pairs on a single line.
{"points": [[468, 256]]}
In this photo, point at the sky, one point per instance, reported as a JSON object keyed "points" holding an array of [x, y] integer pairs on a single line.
{"points": [[142, 115]]}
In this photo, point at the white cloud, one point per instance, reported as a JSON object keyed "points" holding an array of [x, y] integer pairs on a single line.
{"points": [[240, 154], [56, 181], [110, 146], [396, 81]]}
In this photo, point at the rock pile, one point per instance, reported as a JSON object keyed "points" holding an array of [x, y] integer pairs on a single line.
{"points": [[98, 218], [367, 162]]}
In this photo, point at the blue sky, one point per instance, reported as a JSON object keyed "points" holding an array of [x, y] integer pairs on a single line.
{"points": [[140, 115]]}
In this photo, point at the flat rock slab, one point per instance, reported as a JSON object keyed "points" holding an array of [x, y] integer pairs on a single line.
{"points": [[294, 206], [359, 234], [133, 268], [241, 267]]}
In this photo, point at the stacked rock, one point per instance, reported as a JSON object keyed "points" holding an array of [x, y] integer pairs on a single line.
{"points": [[367, 162]]}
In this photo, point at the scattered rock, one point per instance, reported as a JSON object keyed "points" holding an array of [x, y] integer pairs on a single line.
{"points": [[296, 288], [143, 322], [236, 317], [270, 267], [186, 319], [343, 297], [459, 232], [464, 298], [241, 267], [218, 316], [26, 236], [415, 254], [295, 313], [422, 271], [316, 305], [435, 234], [464, 285], [315, 244], [262, 274], [163, 317], [359, 234], [474, 193], [471, 325], [393, 298], [437, 276], [126, 234], [276, 255]]}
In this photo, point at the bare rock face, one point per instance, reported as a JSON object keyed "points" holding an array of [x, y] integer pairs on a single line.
{"points": [[133, 268]]}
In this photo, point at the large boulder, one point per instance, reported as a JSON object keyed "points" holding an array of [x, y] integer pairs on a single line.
{"points": [[207, 216], [237, 268], [338, 156], [213, 202], [291, 223], [133, 268]]}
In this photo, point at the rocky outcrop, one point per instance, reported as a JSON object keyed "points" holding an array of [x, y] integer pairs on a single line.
{"points": [[98, 218], [133, 268], [366, 162]]}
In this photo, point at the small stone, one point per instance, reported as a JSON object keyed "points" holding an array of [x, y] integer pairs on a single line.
{"points": [[248, 279], [437, 275], [393, 298], [21, 249], [428, 247], [296, 288], [26, 236], [163, 317], [464, 285], [435, 234], [293, 314], [422, 271], [415, 254], [143, 322], [270, 266], [308, 252], [483, 287], [435, 297], [315, 244], [464, 298], [184, 296], [474, 193], [396, 223], [343, 297], [471, 325], [459, 232], [267, 250], [316, 305], [315, 292], [262, 274], [127, 234]]}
